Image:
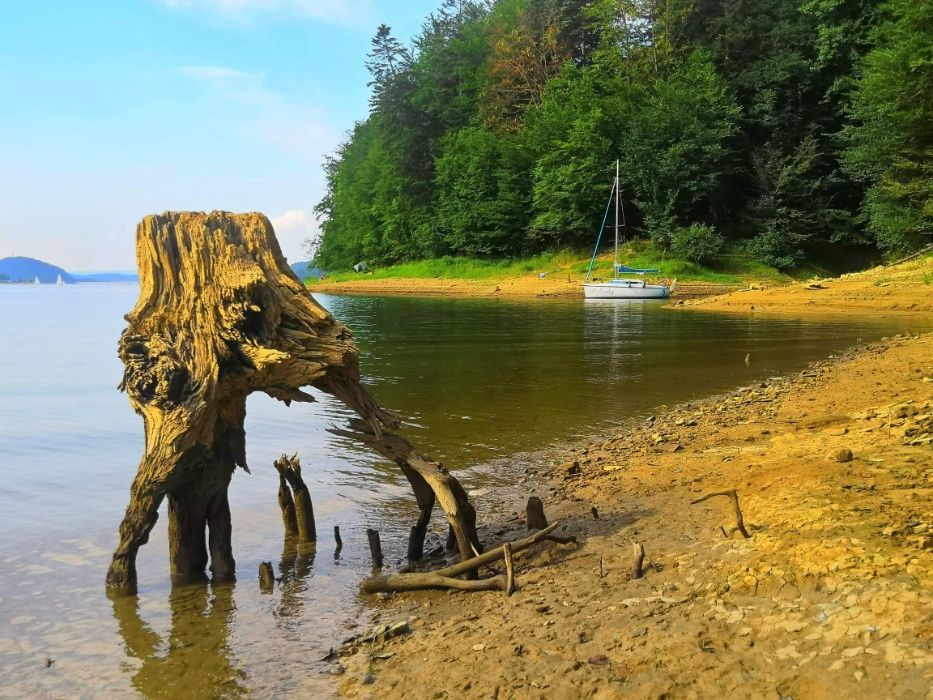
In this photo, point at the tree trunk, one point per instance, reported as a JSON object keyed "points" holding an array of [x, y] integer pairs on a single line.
{"points": [[219, 316]]}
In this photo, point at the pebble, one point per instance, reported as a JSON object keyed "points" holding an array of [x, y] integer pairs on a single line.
{"points": [[843, 454]]}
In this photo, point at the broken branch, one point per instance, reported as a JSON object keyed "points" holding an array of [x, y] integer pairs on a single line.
{"points": [[734, 496], [442, 578]]}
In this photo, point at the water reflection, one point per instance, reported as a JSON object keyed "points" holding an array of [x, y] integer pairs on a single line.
{"points": [[295, 568], [613, 329], [194, 660]]}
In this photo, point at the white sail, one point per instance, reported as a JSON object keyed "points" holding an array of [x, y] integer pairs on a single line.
{"points": [[59, 281], [36, 280]]}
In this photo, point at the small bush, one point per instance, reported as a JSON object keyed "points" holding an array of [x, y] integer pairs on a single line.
{"points": [[697, 243], [780, 249]]}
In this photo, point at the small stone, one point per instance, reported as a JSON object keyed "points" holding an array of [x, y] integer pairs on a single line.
{"points": [[843, 454], [640, 632], [479, 647]]}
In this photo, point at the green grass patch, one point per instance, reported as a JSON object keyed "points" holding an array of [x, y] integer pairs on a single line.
{"points": [[729, 268], [449, 267]]}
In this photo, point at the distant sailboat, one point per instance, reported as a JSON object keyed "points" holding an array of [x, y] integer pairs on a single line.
{"points": [[36, 280], [59, 281]]}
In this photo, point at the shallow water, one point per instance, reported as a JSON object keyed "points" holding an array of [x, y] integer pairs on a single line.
{"points": [[478, 380]]}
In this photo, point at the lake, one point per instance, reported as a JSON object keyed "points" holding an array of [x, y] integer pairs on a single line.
{"points": [[476, 380]]}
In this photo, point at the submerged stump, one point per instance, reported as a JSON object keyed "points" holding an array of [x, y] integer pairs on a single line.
{"points": [[220, 315]]}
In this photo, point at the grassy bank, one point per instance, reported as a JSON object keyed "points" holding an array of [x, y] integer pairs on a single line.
{"points": [[733, 268]]}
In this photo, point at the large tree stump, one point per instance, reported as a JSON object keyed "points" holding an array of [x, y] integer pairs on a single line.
{"points": [[219, 316]]}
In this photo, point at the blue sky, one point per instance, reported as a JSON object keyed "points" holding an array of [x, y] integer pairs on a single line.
{"points": [[114, 109]]}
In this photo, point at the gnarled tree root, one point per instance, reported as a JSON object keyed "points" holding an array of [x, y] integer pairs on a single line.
{"points": [[733, 495], [428, 480], [446, 577]]}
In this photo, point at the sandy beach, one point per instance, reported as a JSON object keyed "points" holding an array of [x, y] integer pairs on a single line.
{"points": [[830, 595]]}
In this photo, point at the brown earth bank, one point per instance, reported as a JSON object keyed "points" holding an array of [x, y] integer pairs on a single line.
{"points": [[903, 288], [830, 596], [526, 286]]}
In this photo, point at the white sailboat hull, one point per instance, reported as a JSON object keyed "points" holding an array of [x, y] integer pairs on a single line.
{"points": [[625, 289]]}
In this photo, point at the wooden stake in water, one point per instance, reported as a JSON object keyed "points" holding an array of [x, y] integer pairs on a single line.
{"points": [[375, 547]]}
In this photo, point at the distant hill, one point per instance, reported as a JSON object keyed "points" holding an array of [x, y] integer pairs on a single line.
{"points": [[19, 269], [304, 270]]}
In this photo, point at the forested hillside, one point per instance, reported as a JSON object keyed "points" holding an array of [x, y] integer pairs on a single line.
{"points": [[780, 126]]}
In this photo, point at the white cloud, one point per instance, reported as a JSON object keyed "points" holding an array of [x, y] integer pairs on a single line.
{"points": [[341, 12], [292, 221], [293, 126], [294, 229], [217, 74]]}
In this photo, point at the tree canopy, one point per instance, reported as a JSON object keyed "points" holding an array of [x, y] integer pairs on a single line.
{"points": [[779, 125]]}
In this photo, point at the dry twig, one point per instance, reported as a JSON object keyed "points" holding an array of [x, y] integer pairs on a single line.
{"points": [[734, 496]]}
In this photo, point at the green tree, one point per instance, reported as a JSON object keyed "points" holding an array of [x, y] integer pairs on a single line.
{"points": [[482, 193], [675, 148], [890, 139]]}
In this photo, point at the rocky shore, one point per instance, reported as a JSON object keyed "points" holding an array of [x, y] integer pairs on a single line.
{"points": [[830, 596]]}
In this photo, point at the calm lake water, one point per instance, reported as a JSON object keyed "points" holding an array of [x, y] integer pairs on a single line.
{"points": [[478, 380]]}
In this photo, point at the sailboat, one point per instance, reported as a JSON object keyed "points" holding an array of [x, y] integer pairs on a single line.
{"points": [[621, 287], [59, 281], [36, 280]]}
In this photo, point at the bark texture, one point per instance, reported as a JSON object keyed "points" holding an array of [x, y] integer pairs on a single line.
{"points": [[219, 316]]}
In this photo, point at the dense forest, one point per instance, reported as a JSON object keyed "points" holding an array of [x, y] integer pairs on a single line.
{"points": [[776, 127]]}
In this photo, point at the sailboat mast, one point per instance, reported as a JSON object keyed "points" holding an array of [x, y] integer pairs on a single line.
{"points": [[617, 213]]}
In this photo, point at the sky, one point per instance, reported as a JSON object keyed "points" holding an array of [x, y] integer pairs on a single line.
{"points": [[114, 109]]}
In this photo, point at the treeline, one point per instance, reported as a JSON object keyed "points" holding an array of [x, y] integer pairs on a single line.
{"points": [[781, 125]]}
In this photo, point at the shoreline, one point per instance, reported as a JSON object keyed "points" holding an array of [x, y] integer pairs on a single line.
{"points": [[901, 288], [826, 596], [526, 287], [905, 288]]}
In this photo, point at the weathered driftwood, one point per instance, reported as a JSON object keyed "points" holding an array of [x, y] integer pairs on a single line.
{"points": [[266, 577], [447, 577], [221, 315], [638, 559], [534, 514], [287, 505], [732, 495], [338, 541], [375, 547], [289, 468], [415, 544], [428, 480], [509, 568]]}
